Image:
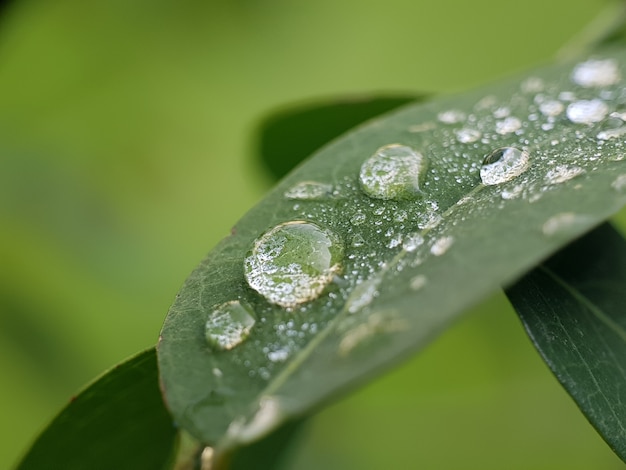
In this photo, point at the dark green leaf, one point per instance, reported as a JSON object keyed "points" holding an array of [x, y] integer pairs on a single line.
{"points": [[287, 137], [390, 295], [573, 307], [118, 422]]}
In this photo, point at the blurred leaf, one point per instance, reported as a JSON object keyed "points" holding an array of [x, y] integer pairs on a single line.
{"points": [[289, 136], [119, 422], [573, 307], [411, 265]]}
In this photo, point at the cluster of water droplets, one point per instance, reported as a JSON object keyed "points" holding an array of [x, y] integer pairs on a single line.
{"points": [[397, 210]]}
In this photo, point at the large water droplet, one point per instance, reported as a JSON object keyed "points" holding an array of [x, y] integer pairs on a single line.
{"points": [[293, 262], [611, 133], [596, 73], [565, 223], [393, 172], [228, 325], [309, 190], [587, 111], [503, 165]]}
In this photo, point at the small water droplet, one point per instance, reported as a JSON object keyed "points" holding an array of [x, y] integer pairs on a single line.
{"points": [[412, 242], [358, 218], [551, 108], [418, 282], [501, 112], [441, 245], [279, 355], [596, 73], [565, 223], [587, 111], [503, 165], [611, 133], [452, 116], [395, 241], [532, 85], [228, 325], [508, 125], [429, 220], [217, 372], [358, 240], [620, 183], [309, 190], [293, 262], [393, 172], [363, 294], [512, 193], [562, 173], [467, 136]]}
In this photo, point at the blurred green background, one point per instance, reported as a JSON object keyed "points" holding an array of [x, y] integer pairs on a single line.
{"points": [[127, 153]]}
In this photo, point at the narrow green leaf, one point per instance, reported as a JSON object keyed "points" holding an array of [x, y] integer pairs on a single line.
{"points": [[118, 422], [323, 305], [573, 307], [287, 137]]}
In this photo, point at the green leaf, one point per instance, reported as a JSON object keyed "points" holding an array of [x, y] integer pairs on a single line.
{"points": [[410, 265], [119, 421], [573, 308], [287, 137]]}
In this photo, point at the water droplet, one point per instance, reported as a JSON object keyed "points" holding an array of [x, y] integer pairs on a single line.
{"points": [[587, 111], [429, 220], [279, 355], [412, 242], [393, 172], [228, 325], [217, 372], [358, 218], [377, 323], [561, 174], [503, 165], [618, 115], [501, 112], [620, 183], [293, 262], [363, 294], [395, 241], [596, 73], [268, 416], [418, 282], [358, 240], [565, 223], [467, 136], [512, 193], [532, 85], [508, 125], [452, 116], [611, 133], [551, 108], [309, 190], [441, 245]]}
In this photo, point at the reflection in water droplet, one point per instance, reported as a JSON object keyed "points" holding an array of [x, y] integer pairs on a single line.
{"points": [[587, 111], [418, 282], [596, 73], [309, 190], [228, 325], [611, 133], [452, 116], [503, 165], [293, 262], [508, 125], [441, 245], [561, 174], [467, 136], [620, 183], [551, 108], [565, 223], [412, 242], [393, 172]]}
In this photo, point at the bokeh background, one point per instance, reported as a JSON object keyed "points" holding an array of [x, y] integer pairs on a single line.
{"points": [[127, 152]]}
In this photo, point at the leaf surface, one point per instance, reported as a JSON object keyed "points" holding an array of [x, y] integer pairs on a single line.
{"points": [[119, 421], [573, 307], [410, 264], [287, 137]]}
